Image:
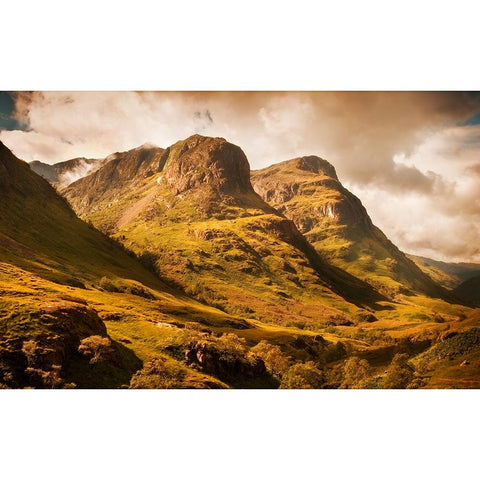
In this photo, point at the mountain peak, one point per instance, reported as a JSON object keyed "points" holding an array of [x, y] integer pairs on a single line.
{"points": [[207, 162], [317, 165]]}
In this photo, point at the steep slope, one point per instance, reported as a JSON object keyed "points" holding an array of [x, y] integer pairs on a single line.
{"points": [[308, 191], [449, 275], [200, 222], [469, 291], [63, 173], [40, 231]]}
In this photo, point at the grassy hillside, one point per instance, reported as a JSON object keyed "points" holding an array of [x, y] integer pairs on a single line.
{"points": [[469, 291]]}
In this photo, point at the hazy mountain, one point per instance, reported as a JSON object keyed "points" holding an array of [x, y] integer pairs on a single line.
{"points": [[308, 191], [447, 274], [64, 173]]}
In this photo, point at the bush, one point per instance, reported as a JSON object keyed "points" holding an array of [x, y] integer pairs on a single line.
{"points": [[46, 378], [275, 361], [355, 373], [303, 376], [231, 345], [30, 349], [97, 349], [399, 373], [158, 374]]}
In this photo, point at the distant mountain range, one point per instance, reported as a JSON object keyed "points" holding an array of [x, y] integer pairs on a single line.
{"points": [[63, 173]]}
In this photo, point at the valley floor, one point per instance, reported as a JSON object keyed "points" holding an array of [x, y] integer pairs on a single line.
{"points": [[155, 339]]}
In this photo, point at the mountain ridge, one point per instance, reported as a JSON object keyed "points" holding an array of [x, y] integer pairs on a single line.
{"points": [[308, 191], [204, 182]]}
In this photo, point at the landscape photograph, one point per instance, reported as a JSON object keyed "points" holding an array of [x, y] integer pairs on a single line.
{"points": [[240, 240]]}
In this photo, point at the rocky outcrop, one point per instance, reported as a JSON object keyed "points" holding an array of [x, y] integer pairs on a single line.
{"points": [[57, 331], [311, 177], [207, 162], [223, 364]]}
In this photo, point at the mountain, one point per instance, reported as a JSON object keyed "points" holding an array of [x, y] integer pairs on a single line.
{"points": [[63, 173], [79, 310], [307, 191], [73, 300], [469, 290], [449, 275], [192, 211]]}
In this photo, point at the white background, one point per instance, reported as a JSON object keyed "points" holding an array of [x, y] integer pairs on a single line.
{"points": [[372, 45]]}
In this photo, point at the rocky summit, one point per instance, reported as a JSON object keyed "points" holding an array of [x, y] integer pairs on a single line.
{"points": [[212, 163]]}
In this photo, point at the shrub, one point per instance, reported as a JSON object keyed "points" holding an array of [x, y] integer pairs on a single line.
{"points": [[275, 361], [97, 349], [355, 372], [399, 373], [30, 349], [158, 374], [45, 378], [303, 376]]}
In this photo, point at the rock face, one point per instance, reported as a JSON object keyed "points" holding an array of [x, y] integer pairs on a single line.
{"points": [[307, 191], [315, 179], [207, 162], [212, 173]]}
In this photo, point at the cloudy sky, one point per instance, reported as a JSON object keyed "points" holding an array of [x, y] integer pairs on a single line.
{"points": [[413, 158]]}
